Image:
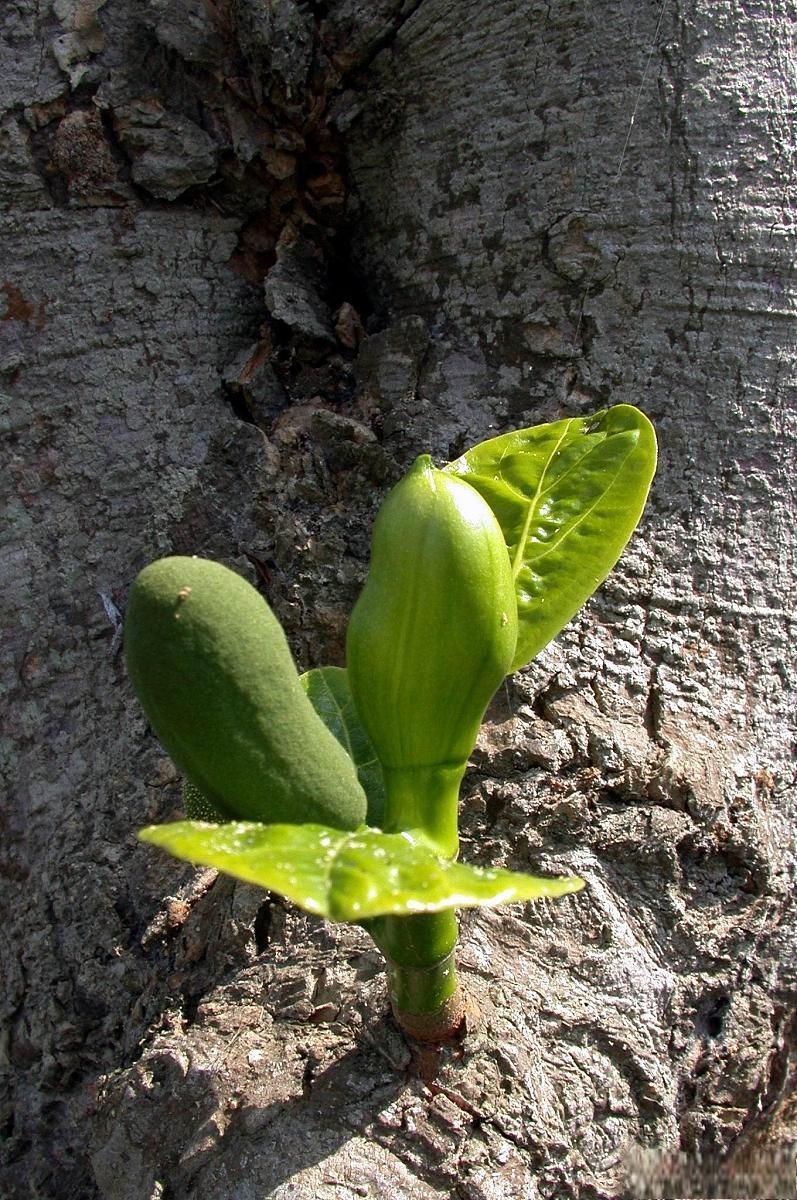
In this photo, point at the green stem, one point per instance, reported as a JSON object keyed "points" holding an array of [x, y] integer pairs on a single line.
{"points": [[425, 798], [421, 970]]}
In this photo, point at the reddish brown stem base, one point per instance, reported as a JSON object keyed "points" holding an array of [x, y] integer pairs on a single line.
{"points": [[440, 1025]]}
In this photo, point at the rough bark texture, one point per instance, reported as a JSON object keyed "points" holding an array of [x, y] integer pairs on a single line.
{"points": [[256, 256]]}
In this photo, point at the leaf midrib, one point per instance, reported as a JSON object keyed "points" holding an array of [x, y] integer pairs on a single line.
{"points": [[519, 558], [583, 516], [349, 747]]}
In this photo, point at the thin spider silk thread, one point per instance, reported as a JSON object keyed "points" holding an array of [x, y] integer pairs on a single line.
{"points": [[618, 172], [615, 179]]}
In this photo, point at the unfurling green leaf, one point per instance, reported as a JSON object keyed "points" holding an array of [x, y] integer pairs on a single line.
{"points": [[330, 695], [348, 876], [433, 631], [430, 639], [567, 496]]}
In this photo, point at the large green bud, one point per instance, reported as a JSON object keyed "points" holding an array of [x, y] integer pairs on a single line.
{"points": [[212, 669], [430, 639]]}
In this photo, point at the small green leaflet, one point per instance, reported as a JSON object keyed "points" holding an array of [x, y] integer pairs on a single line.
{"points": [[348, 876], [567, 496], [328, 691]]}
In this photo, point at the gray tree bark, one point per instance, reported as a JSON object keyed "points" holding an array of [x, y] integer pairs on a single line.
{"points": [[255, 257]]}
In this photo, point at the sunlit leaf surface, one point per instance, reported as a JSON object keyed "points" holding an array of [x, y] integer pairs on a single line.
{"points": [[348, 876]]}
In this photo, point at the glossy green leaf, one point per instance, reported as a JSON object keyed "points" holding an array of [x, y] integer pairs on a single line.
{"points": [[567, 496], [348, 876], [330, 695]]}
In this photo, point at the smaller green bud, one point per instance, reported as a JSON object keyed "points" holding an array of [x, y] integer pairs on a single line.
{"points": [[212, 669]]}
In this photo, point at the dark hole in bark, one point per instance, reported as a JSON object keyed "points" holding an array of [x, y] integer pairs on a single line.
{"points": [[236, 401], [263, 925], [711, 1013]]}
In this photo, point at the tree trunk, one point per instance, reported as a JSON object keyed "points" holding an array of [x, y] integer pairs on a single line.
{"points": [[255, 258]]}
